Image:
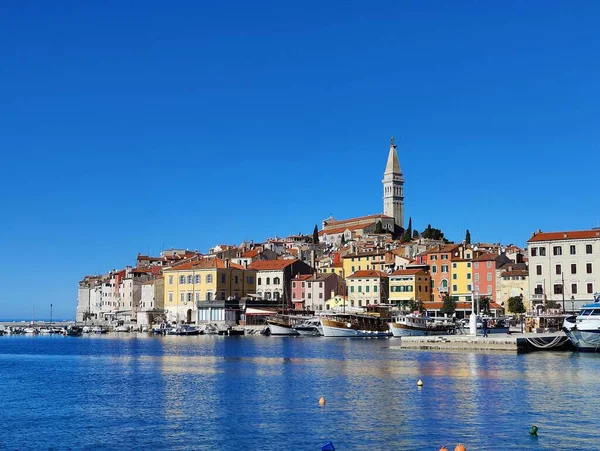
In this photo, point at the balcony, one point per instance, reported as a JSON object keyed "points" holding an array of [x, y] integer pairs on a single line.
{"points": [[537, 297], [443, 289]]}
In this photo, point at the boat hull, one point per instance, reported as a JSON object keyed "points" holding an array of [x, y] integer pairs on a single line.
{"points": [[308, 331], [336, 331], [585, 340], [277, 329]]}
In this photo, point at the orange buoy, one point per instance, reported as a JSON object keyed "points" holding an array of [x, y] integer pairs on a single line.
{"points": [[321, 401], [460, 447], [443, 448]]}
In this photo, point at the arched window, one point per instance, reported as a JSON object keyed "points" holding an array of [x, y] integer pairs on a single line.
{"points": [[268, 281], [267, 295], [276, 280], [276, 294]]}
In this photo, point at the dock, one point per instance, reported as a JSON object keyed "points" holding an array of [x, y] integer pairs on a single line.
{"points": [[510, 343]]}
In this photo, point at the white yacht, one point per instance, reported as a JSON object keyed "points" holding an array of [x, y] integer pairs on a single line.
{"points": [[584, 330]]}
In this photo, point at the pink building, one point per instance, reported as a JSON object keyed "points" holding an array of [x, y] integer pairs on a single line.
{"points": [[311, 292]]}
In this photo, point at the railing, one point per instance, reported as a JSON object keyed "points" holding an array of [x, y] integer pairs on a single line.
{"points": [[537, 297]]}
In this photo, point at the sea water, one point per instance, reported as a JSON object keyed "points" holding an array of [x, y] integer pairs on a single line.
{"points": [[133, 391]]}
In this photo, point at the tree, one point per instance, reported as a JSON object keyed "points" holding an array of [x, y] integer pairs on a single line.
{"points": [[449, 305], [552, 304], [408, 232], [515, 304], [468, 237], [433, 233], [379, 227], [484, 304], [316, 235], [415, 234], [415, 305]]}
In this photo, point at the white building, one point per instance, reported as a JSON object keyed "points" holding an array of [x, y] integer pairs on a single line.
{"points": [[564, 267]]}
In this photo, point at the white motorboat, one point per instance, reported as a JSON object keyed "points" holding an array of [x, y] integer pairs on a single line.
{"points": [[310, 327], [584, 330], [354, 325], [415, 325], [280, 325]]}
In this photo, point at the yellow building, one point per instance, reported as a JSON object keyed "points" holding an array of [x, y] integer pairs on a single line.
{"points": [[461, 276], [334, 268], [188, 285], [367, 287], [379, 260], [409, 285]]}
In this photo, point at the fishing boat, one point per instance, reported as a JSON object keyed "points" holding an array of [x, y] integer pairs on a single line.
{"points": [[231, 331], [354, 325], [584, 330], [414, 325], [184, 329], [73, 330], [280, 325], [310, 327]]}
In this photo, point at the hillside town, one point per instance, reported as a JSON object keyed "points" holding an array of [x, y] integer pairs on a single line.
{"points": [[349, 265]]}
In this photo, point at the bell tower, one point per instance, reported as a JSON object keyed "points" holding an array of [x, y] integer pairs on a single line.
{"points": [[393, 187]]}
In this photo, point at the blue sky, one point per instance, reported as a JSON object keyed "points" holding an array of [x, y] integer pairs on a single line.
{"points": [[127, 127]]}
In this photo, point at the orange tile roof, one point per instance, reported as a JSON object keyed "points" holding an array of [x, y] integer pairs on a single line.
{"points": [[486, 257], [367, 273], [267, 265], [207, 263], [302, 277], [515, 272], [251, 253], [343, 229], [406, 272], [360, 218], [572, 235]]}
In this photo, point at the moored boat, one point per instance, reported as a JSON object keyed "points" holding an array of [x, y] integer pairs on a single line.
{"points": [[415, 325], [280, 325], [354, 325], [584, 330], [73, 331], [310, 327], [184, 329]]}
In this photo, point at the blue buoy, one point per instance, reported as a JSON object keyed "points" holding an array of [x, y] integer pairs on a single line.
{"points": [[327, 447]]}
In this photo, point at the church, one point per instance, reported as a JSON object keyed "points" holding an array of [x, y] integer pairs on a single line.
{"points": [[392, 219]]}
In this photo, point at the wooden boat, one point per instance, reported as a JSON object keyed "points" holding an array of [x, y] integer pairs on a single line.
{"points": [[415, 325], [354, 325], [280, 325]]}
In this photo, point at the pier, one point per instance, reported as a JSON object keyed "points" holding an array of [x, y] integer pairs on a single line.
{"points": [[511, 343]]}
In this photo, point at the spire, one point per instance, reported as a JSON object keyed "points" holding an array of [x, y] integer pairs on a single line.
{"points": [[393, 165]]}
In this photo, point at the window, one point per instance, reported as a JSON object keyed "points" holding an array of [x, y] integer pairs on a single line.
{"points": [[433, 257], [277, 281], [538, 270], [468, 264], [367, 288], [454, 288], [468, 287], [375, 288], [197, 278], [590, 288], [489, 276], [170, 296], [190, 297], [572, 249], [309, 295], [259, 281], [558, 269], [320, 295], [454, 276], [542, 251], [223, 278], [189, 279], [353, 269], [351, 289], [538, 290], [488, 264], [573, 268], [182, 297], [250, 279], [574, 288], [170, 280], [444, 268], [534, 251], [445, 257], [454, 265], [489, 289], [434, 269], [268, 281], [468, 276], [209, 278], [181, 279], [588, 268], [588, 248], [477, 277], [558, 289], [320, 284], [557, 250], [309, 284], [476, 265]]}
